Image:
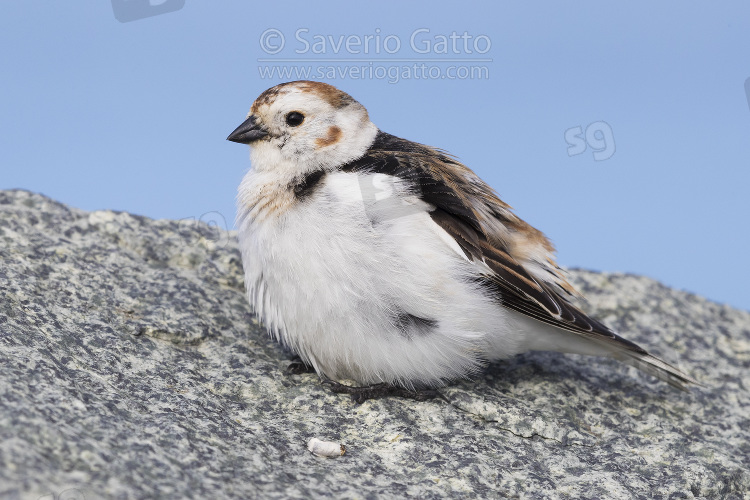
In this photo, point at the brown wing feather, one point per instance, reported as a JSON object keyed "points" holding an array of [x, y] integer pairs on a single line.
{"points": [[470, 212], [521, 270]]}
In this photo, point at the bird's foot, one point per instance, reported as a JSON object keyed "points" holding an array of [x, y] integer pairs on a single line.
{"points": [[298, 367], [361, 394]]}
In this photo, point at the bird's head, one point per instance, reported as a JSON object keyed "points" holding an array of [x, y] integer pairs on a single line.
{"points": [[306, 125]]}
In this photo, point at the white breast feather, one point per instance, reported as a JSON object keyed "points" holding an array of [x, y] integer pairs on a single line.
{"points": [[328, 275]]}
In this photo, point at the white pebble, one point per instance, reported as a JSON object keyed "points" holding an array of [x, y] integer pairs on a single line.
{"points": [[325, 448]]}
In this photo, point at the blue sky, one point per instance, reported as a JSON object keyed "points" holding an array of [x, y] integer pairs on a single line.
{"points": [[621, 131]]}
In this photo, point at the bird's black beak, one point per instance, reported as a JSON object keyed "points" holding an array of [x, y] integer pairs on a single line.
{"points": [[249, 131]]}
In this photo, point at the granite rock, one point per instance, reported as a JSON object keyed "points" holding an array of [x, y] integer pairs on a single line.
{"points": [[132, 367]]}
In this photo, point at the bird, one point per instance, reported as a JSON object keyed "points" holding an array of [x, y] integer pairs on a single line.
{"points": [[390, 263]]}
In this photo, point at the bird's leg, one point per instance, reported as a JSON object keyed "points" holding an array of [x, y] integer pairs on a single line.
{"points": [[361, 394], [298, 367]]}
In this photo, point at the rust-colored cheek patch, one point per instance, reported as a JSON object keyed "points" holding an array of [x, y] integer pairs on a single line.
{"points": [[334, 134]]}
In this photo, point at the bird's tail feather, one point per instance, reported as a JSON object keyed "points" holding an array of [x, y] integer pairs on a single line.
{"points": [[656, 367], [541, 337]]}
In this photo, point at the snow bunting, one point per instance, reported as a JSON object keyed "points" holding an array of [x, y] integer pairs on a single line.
{"points": [[390, 263]]}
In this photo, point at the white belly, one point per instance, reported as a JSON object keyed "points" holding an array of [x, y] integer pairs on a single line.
{"points": [[331, 276]]}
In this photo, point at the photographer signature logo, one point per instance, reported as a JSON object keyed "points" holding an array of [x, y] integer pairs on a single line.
{"points": [[597, 136], [133, 10]]}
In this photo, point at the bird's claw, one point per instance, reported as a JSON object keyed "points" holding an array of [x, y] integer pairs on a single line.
{"points": [[361, 394]]}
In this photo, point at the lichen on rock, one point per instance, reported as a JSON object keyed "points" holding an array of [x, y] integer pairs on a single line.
{"points": [[131, 367]]}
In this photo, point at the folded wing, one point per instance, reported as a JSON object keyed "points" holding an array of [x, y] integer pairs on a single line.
{"points": [[519, 260]]}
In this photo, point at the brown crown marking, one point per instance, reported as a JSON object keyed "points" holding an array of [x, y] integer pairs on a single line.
{"points": [[333, 96]]}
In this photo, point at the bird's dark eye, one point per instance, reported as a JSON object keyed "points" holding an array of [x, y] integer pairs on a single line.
{"points": [[294, 118]]}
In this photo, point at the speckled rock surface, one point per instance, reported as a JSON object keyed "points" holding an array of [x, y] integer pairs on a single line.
{"points": [[131, 367]]}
